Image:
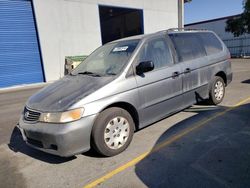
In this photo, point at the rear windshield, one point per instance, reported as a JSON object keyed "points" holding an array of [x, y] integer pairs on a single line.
{"points": [[194, 45], [108, 59]]}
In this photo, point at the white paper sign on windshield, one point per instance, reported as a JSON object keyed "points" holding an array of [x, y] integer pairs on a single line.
{"points": [[120, 49]]}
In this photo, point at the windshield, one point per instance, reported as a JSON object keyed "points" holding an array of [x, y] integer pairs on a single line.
{"points": [[108, 59]]}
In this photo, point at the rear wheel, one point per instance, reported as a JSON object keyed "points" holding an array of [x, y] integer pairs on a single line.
{"points": [[217, 91], [112, 131]]}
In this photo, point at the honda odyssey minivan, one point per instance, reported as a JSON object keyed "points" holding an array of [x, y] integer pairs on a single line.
{"points": [[123, 86]]}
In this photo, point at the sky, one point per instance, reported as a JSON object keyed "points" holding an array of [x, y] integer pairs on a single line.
{"points": [[200, 10]]}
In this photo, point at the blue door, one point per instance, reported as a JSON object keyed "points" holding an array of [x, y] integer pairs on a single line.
{"points": [[20, 60]]}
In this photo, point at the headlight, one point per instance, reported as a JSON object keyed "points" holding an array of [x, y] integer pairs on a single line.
{"points": [[62, 117]]}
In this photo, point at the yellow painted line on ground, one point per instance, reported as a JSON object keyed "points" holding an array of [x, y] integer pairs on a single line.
{"points": [[161, 145]]}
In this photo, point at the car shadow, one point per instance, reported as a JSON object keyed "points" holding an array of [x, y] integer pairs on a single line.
{"points": [[246, 81], [199, 112], [16, 144], [214, 155]]}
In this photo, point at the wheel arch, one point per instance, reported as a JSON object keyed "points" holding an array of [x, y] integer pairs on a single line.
{"points": [[222, 74], [129, 108]]}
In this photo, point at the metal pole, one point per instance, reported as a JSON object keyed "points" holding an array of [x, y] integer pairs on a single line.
{"points": [[180, 13]]}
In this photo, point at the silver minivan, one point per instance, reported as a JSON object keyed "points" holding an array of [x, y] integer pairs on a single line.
{"points": [[123, 86]]}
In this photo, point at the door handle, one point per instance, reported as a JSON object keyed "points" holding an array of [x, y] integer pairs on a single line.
{"points": [[187, 70], [175, 74]]}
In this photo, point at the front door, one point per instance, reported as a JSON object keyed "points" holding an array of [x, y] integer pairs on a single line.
{"points": [[160, 89]]}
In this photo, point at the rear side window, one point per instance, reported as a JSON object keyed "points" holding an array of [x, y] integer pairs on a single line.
{"points": [[188, 46], [211, 43]]}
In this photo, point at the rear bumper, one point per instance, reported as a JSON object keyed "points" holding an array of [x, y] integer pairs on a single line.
{"points": [[59, 139]]}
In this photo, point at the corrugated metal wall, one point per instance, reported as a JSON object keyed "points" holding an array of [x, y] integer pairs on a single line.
{"points": [[20, 61], [238, 46]]}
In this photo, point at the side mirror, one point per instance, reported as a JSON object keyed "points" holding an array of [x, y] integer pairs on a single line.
{"points": [[144, 66]]}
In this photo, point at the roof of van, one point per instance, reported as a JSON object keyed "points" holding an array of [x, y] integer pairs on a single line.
{"points": [[169, 31], [136, 37]]}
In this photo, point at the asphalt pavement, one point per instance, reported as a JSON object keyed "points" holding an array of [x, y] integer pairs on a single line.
{"points": [[203, 146]]}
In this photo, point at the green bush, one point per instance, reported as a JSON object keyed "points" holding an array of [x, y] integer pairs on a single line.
{"points": [[76, 58]]}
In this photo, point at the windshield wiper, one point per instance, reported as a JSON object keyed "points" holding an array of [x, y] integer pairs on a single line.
{"points": [[111, 73], [89, 73]]}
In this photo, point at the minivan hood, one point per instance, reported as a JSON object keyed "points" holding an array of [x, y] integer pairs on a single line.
{"points": [[62, 94]]}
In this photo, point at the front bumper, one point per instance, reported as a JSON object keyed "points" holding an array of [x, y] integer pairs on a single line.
{"points": [[64, 140]]}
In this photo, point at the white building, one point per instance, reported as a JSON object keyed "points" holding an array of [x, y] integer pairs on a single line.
{"points": [[37, 35], [238, 46]]}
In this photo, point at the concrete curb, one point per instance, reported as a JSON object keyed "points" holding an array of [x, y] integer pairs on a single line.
{"points": [[23, 87]]}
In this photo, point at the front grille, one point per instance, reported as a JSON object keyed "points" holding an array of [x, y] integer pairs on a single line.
{"points": [[30, 115]]}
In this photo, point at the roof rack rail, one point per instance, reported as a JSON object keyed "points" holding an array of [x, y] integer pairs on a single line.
{"points": [[182, 29], [185, 29]]}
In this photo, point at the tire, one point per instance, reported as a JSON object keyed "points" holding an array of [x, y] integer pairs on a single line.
{"points": [[217, 91], [112, 131]]}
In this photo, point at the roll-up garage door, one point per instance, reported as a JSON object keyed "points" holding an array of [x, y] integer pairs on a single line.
{"points": [[20, 60]]}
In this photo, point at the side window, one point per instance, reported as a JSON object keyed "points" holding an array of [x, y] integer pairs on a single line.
{"points": [[188, 46], [157, 51], [211, 43]]}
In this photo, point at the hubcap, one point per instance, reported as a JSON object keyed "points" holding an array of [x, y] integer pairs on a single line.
{"points": [[116, 132], [218, 90]]}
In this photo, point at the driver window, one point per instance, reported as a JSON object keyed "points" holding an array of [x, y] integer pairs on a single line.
{"points": [[157, 51]]}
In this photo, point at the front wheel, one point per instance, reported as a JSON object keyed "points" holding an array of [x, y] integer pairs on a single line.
{"points": [[217, 91], [112, 132]]}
